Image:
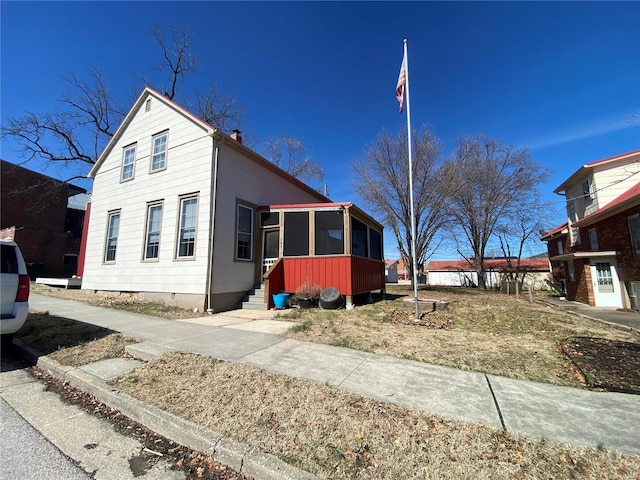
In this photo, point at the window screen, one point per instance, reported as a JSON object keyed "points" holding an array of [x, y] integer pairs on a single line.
{"points": [[375, 240], [296, 234], [269, 218], [359, 245], [329, 236]]}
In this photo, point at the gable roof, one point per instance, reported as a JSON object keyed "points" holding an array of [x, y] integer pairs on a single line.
{"points": [[214, 132], [627, 200], [146, 93], [582, 171]]}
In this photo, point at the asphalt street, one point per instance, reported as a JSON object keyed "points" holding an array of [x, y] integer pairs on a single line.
{"points": [[40, 434], [25, 453]]}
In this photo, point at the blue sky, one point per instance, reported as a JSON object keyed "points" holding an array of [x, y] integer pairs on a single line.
{"points": [[560, 78]]}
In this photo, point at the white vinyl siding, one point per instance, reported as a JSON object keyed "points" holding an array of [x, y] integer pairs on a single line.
{"points": [[191, 154], [152, 235], [111, 242], [187, 228], [128, 163], [159, 153]]}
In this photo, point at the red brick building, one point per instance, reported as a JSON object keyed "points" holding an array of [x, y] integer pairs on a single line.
{"points": [[34, 211], [595, 254]]}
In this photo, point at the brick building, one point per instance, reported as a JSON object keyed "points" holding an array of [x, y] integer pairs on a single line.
{"points": [[35, 211], [595, 254]]}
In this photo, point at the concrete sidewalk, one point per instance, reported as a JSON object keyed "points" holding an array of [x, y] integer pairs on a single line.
{"points": [[558, 414]]}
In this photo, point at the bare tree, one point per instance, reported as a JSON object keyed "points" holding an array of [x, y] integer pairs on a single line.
{"points": [[491, 181], [292, 156], [76, 134], [382, 181], [518, 233]]}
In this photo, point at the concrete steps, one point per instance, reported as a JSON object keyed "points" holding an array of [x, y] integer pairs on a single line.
{"points": [[255, 300]]}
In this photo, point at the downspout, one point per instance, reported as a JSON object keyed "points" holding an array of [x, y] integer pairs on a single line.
{"points": [[212, 209]]}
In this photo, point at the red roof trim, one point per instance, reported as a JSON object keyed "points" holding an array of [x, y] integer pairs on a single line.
{"points": [[489, 264], [555, 231], [615, 157], [286, 206]]}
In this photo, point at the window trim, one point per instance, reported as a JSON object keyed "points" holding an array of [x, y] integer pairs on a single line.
{"points": [[251, 234], [110, 216], [150, 206], [180, 227], [165, 151], [134, 147]]}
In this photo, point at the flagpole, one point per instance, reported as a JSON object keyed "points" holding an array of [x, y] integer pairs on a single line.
{"points": [[413, 218]]}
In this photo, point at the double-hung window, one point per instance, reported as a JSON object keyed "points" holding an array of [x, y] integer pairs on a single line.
{"points": [[111, 241], [152, 236], [159, 153], [187, 228], [244, 233], [128, 163]]}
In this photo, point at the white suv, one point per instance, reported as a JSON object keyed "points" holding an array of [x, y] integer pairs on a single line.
{"points": [[14, 295]]}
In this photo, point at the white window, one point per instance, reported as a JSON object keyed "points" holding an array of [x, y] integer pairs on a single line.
{"points": [[128, 163], [187, 228], [560, 247], [159, 153], [112, 237], [244, 233], [593, 239], [634, 231], [152, 237], [586, 189]]}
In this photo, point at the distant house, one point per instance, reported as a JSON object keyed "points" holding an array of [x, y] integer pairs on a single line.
{"points": [[185, 214], [391, 271], [595, 253], [45, 217], [404, 274], [462, 273]]}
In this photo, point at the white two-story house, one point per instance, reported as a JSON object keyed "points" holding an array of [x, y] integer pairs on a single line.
{"points": [[180, 213]]}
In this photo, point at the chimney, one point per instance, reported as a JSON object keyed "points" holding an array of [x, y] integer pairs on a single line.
{"points": [[236, 136]]}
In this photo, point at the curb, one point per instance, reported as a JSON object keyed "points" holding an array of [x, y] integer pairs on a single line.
{"points": [[241, 457]]}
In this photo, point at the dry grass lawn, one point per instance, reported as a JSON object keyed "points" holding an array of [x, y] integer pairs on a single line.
{"points": [[483, 331], [338, 435]]}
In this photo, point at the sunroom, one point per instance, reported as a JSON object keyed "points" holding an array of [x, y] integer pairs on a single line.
{"points": [[324, 244]]}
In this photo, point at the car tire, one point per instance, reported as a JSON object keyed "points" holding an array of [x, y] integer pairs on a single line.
{"points": [[330, 298]]}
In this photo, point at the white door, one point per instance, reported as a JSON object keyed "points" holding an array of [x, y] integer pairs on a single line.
{"points": [[606, 285]]}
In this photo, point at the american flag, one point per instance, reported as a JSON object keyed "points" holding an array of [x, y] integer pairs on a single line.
{"points": [[402, 81]]}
